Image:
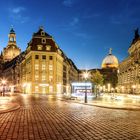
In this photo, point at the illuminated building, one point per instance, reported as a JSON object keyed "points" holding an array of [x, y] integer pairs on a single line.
{"points": [[108, 69], [79, 88], [46, 69], [70, 74], [11, 71], [11, 50], [9, 63], [41, 68], [129, 69], [1, 62]]}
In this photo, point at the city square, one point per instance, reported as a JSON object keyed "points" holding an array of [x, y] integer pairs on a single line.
{"points": [[47, 118], [70, 70]]}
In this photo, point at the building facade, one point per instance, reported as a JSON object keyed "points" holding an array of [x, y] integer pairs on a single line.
{"points": [[11, 50], [129, 69], [70, 74], [9, 63], [11, 72], [46, 69], [109, 68]]}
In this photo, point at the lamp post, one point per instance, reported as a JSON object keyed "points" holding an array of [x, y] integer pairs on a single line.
{"points": [[86, 76], [122, 89], [24, 88], [133, 87], [3, 86], [108, 87]]}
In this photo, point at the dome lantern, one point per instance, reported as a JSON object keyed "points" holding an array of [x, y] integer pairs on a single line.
{"points": [[110, 51], [12, 36]]}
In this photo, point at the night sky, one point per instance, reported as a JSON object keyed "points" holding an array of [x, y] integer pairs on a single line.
{"points": [[83, 29]]}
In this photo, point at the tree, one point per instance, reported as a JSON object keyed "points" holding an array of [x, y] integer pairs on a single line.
{"points": [[97, 79]]}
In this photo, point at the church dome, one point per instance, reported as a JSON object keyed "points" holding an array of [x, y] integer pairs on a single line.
{"points": [[11, 50], [110, 61]]}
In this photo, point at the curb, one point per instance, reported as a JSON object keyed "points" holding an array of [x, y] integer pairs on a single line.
{"points": [[15, 107], [122, 108]]}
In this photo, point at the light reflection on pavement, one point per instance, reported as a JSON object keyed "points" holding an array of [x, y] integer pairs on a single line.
{"points": [[42, 117]]}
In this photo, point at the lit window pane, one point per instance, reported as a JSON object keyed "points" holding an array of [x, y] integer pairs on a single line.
{"points": [[51, 88], [36, 66], [43, 67], [50, 67], [36, 89]]}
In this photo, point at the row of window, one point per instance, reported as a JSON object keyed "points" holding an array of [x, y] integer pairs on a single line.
{"points": [[43, 57], [40, 47], [44, 89], [44, 78], [43, 67]]}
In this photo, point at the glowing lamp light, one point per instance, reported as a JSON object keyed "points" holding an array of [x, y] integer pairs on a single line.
{"points": [[86, 75], [112, 89], [3, 81], [108, 87], [44, 85], [24, 84], [134, 86]]}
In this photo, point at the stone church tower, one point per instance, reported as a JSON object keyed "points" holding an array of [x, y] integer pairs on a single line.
{"points": [[12, 50]]}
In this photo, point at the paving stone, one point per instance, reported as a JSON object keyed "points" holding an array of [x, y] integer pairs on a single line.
{"points": [[45, 119]]}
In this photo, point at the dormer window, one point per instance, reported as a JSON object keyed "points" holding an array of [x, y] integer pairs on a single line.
{"points": [[43, 40], [48, 47], [39, 47], [42, 33]]}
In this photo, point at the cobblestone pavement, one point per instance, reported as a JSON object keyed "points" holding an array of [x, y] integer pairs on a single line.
{"points": [[45, 118]]}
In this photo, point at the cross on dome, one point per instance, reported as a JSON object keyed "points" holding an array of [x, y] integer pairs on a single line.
{"points": [[110, 51]]}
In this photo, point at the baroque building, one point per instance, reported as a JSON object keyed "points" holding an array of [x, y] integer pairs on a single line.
{"points": [[10, 59], [129, 69], [41, 68], [46, 69], [11, 50], [109, 68], [11, 72], [70, 74]]}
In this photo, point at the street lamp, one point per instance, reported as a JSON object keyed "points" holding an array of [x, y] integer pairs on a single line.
{"points": [[3, 86], [133, 87], [86, 76], [24, 87], [108, 87], [122, 87], [104, 88], [116, 89], [112, 89]]}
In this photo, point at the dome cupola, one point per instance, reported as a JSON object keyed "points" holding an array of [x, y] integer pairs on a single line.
{"points": [[110, 61], [11, 50]]}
